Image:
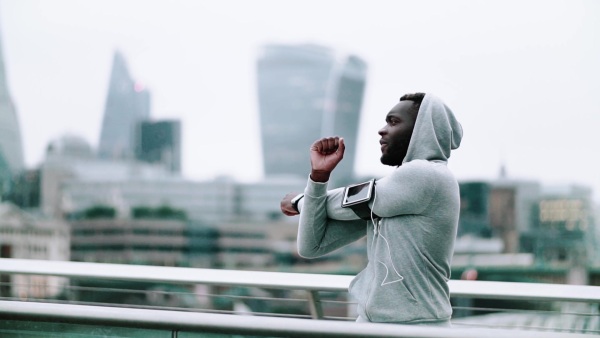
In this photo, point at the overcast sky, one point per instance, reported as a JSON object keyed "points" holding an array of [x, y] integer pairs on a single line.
{"points": [[523, 77]]}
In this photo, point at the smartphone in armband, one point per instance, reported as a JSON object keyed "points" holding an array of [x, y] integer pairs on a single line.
{"points": [[358, 193], [358, 196]]}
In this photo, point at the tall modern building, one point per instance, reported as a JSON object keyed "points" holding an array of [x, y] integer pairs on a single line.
{"points": [[307, 92], [127, 104], [160, 142], [11, 148]]}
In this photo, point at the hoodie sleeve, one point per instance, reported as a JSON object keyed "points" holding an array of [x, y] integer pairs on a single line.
{"points": [[407, 190], [319, 234]]}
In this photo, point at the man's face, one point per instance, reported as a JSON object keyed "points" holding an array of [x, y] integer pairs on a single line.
{"points": [[396, 134]]}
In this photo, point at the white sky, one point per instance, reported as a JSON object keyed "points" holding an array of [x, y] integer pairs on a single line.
{"points": [[523, 77]]}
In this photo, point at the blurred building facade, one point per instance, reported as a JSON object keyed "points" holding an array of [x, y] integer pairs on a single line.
{"points": [[502, 222], [210, 202], [306, 92], [32, 236], [142, 240], [554, 225], [159, 142], [230, 224], [564, 228], [127, 104]]}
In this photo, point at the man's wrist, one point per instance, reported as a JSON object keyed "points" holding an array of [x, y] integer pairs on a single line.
{"points": [[295, 202], [320, 175]]}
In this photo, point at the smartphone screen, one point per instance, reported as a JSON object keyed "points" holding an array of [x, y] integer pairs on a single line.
{"points": [[358, 193]]}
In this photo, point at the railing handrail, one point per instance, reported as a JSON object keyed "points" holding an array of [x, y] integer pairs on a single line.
{"points": [[285, 280], [247, 325], [167, 274]]}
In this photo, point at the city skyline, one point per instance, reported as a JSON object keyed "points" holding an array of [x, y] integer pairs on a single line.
{"points": [[522, 82]]}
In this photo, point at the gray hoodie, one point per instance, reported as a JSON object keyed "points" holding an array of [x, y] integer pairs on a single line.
{"points": [[410, 248]]}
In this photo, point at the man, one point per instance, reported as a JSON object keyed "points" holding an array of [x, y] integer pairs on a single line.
{"points": [[414, 215]]}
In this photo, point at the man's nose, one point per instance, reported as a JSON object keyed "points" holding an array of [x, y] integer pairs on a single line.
{"points": [[382, 131]]}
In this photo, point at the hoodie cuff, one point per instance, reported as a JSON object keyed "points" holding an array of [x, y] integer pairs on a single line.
{"points": [[315, 189]]}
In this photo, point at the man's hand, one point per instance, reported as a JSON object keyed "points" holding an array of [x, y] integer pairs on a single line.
{"points": [[325, 154], [286, 205]]}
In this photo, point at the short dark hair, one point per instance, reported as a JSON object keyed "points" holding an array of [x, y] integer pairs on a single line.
{"points": [[417, 98]]}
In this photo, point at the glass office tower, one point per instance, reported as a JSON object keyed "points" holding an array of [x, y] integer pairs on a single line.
{"points": [[11, 147], [127, 104], [307, 92], [160, 142]]}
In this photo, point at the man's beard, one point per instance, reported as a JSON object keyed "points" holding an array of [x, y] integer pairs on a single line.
{"points": [[396, 151], [393, 158]]}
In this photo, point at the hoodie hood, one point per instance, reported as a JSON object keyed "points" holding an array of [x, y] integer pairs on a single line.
{"points": [[436, 132]]}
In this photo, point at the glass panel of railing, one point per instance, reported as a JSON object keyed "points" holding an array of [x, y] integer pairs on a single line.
{"points": [[37, 329]]}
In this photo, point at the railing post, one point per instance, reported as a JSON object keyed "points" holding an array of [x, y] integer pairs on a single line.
{"points": [[314, 302]]}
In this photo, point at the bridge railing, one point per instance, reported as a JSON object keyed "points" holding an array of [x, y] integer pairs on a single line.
{"points": [[325, 297], [110, 321]]}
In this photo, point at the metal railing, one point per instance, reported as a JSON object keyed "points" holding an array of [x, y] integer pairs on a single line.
{"points": [[314, 285], [177, 322]]}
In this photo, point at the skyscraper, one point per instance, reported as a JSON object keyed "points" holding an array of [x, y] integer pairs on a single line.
{"points": [[127, 104], [11, 148], [160, 142], [307, 92]]}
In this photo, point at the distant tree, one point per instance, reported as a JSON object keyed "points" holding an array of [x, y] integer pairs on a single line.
{"points": [[166, 212], [142, 212], [162, 212], [99, 211]]}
